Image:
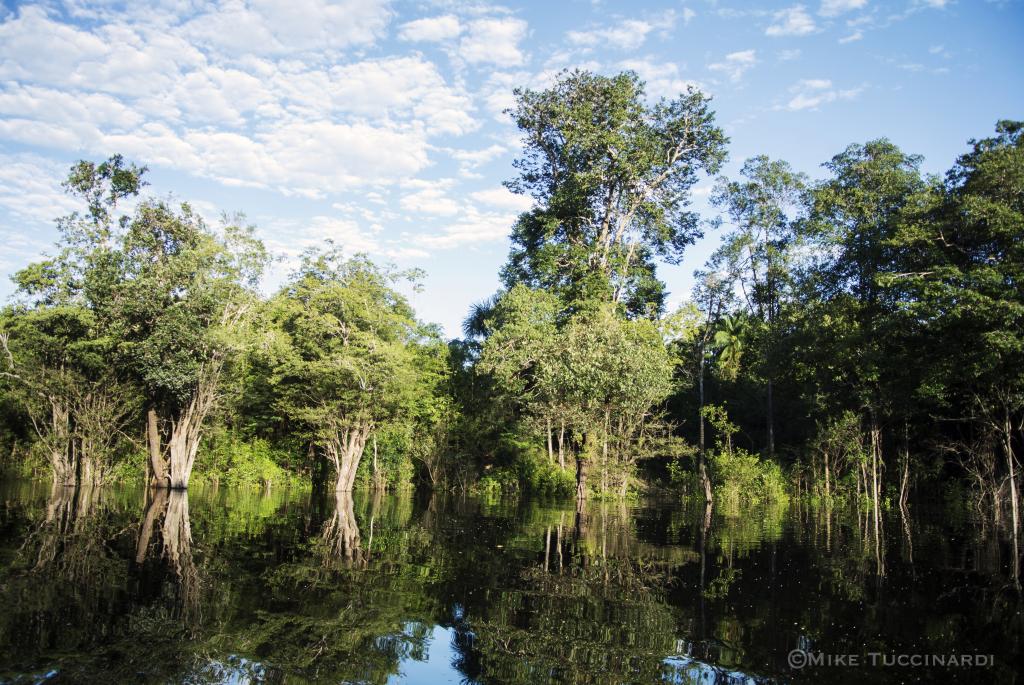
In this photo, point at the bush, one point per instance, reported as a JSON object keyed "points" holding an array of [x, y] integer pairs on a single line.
{"points": [[229, 460], [740, 476]]}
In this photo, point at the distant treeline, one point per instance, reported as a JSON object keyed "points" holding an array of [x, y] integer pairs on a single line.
{"points": [[860, 335]]}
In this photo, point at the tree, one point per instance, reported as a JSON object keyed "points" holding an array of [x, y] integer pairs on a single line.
{"points": [[611, 177], [961, 263], [757, 254], [340, 350], [173, 301], [77, 406], [851, 219]]}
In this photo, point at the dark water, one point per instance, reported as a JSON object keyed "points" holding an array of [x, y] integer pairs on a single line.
{"points": [[236, 587]]}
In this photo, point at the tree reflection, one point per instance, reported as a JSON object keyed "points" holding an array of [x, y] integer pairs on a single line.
{"points": [[341, 532], [168, 510]]}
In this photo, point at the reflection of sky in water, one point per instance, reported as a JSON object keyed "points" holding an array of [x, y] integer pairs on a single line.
{"points": [[436, 665], [433, 664]]}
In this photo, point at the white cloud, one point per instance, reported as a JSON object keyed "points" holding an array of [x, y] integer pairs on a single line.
{"points": [[403, 86], [30, 188], [812, 93], [431, 29], [663, 78], [287, 26], [735, 64], [792, 21], [472, 227], [831, 8], [431, 198], [628, 34], [475, 158], [853, 37], [494, 41], [502, 198], [788, 55]]}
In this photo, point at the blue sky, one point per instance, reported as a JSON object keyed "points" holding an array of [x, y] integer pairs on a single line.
{"points": [[379, 124]]}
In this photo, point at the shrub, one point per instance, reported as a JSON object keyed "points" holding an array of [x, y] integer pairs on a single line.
{"points": [[229, 460]]}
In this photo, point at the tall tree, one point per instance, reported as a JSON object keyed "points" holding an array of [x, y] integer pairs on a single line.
{"points": [[341, 355], [853, 215], [611, 177], [757, 254]]}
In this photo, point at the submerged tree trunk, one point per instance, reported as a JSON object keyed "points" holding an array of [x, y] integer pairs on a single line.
{"points": [[581, 475], [345, 448], [187, 429], [701, 457], [159, 473], [1014, 510]]}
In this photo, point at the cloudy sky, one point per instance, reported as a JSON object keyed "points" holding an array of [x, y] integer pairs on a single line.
{"points": [[379, 124]]}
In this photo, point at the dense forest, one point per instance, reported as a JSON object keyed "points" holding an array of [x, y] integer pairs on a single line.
{"points": [[858, 336]]}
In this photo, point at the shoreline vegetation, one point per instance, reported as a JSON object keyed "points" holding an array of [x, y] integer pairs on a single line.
{"points": [[857, 337]]}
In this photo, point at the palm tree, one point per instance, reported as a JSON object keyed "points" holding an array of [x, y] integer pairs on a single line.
{"points": [[729, 341], [474, 326]]}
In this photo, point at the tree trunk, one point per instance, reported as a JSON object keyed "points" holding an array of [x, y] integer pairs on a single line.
{"points": [[771, 419], [905, 477], [581, 475], [828, 482], [157, 464], [561, 446], [60, 443], [378, 479], [604, 452], [187, 428], [345, 450], [1014, 511], [551, 447], [701, 458], [876, 464]]}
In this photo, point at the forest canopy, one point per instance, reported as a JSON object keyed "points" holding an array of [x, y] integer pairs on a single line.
{"points": [[855, 334]]}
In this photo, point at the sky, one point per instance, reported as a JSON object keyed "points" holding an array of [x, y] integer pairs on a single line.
{"points": [[379, 124]]}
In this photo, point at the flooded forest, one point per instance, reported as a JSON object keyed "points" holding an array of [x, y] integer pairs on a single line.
{"points": [[805, 470]]}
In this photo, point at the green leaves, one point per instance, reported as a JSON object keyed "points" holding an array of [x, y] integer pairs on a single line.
{"points": [[611, 176]]}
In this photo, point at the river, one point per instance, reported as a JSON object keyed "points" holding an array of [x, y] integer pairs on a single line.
{"points": [[238, 586]]}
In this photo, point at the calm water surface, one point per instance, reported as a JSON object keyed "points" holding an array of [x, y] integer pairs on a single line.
{"points": [[218, 586]]}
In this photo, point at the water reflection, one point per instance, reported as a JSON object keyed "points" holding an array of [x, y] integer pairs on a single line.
{"points": [[341, 532], [218, 586], [168, 511]]}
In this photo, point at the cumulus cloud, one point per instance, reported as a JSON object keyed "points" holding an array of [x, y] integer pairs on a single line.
{"points": [[735, 64], [663, 78], [470, 227], [831, 8], [430, 197], [30, 188], [812, 93], [792, 21], [300, 126], [502, 198], [628, 34], [284, 26], [431, 29], [494, 41]]}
